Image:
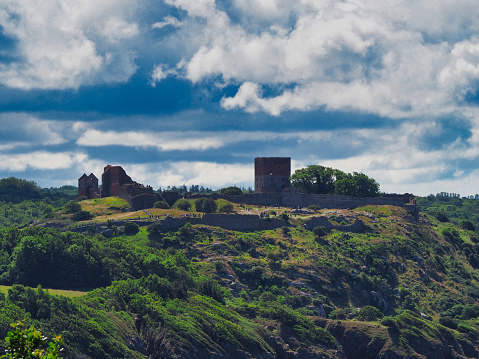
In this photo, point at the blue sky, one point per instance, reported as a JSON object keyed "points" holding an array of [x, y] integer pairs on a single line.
{"points": [[191, 91]]}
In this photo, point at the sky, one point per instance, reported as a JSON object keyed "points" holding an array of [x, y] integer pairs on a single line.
{"points": [[191, 91]]}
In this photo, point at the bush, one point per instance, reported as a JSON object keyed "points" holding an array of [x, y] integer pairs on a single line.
{"points": [[31, 343], [226, 208], [313, 207], [441, 217], [154, 230], [183, 204], [131, 228], [82, 216], [161, 205], [370, 314], [206, 205], [231, 191], [468, 225], [72, 207], [320, 231]]}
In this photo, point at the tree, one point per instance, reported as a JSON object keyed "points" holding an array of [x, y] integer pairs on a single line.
{"points": [[72, 207], [183, 204], [231, 191], [314, 179], [30, 343], [131, 228], [154, 230], [325, 180], [82, 216], [369, 314], [467, 225], [206, 205], [442, 217], [161, 205], [226, 208]]}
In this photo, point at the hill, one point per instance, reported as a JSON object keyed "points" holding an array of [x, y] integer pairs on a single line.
{"points": [[397, 289]]}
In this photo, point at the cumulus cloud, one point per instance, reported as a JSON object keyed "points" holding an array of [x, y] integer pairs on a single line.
{"points": [[42, 160], [208, 174], [371, 56], [67, 44], [23, 129]]}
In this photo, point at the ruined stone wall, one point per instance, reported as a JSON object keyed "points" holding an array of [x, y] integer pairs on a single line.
{"points": [[347, 202], [235, 222], [112, 179], [314, 222], [291, 198]]}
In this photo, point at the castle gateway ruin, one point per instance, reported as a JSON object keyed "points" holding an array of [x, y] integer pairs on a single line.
{"points": [[116, 183]]}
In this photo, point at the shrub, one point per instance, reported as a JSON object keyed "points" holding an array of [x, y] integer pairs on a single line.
{"points": [[206, 205], [30, 343], [226, 208], [231, 191], [441, 217], [285, 230], [161, 205], [154, 230], [72, 207], [82, 216], [131, 228], [313, 207], [369, 314], [451, 234], [448, 321], [183, 204], [468, 225], [319, 231]]}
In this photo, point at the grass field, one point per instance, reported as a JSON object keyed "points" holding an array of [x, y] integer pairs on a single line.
{"points": [[65, 293]]}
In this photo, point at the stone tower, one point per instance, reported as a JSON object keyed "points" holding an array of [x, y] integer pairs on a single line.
{"points": [[271, 174], [88, 186]]}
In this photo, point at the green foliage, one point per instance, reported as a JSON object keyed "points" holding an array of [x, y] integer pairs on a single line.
{"points": [[154, 230], [72, 207], [326, 180], [131, 228], [161, 204], [81, 216], [369, 314], [314, 207], [206, 205], [451, 234], [467, 225], [231, 191], [30, 343], [442, 217], [226, 208], [320, 231], [17, 190], [183, 204]]}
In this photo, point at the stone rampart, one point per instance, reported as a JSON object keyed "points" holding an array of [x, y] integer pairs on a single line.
{"points": [[235, 222], [291, 198], [314, 222]]}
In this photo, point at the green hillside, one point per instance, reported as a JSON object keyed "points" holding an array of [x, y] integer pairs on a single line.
{"points": [[398, 289]]}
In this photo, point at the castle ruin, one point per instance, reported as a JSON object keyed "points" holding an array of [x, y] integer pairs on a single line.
{"points": [[116, 183], [271, 174]]}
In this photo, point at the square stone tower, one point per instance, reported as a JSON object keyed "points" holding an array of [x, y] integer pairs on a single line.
{"points": [[271, 174]]}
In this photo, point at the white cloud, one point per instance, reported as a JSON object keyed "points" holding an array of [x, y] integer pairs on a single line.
{"points": [[390, 58], [208, 174], [161, 72], [41, 160], [67, 44], [167, 21]]}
